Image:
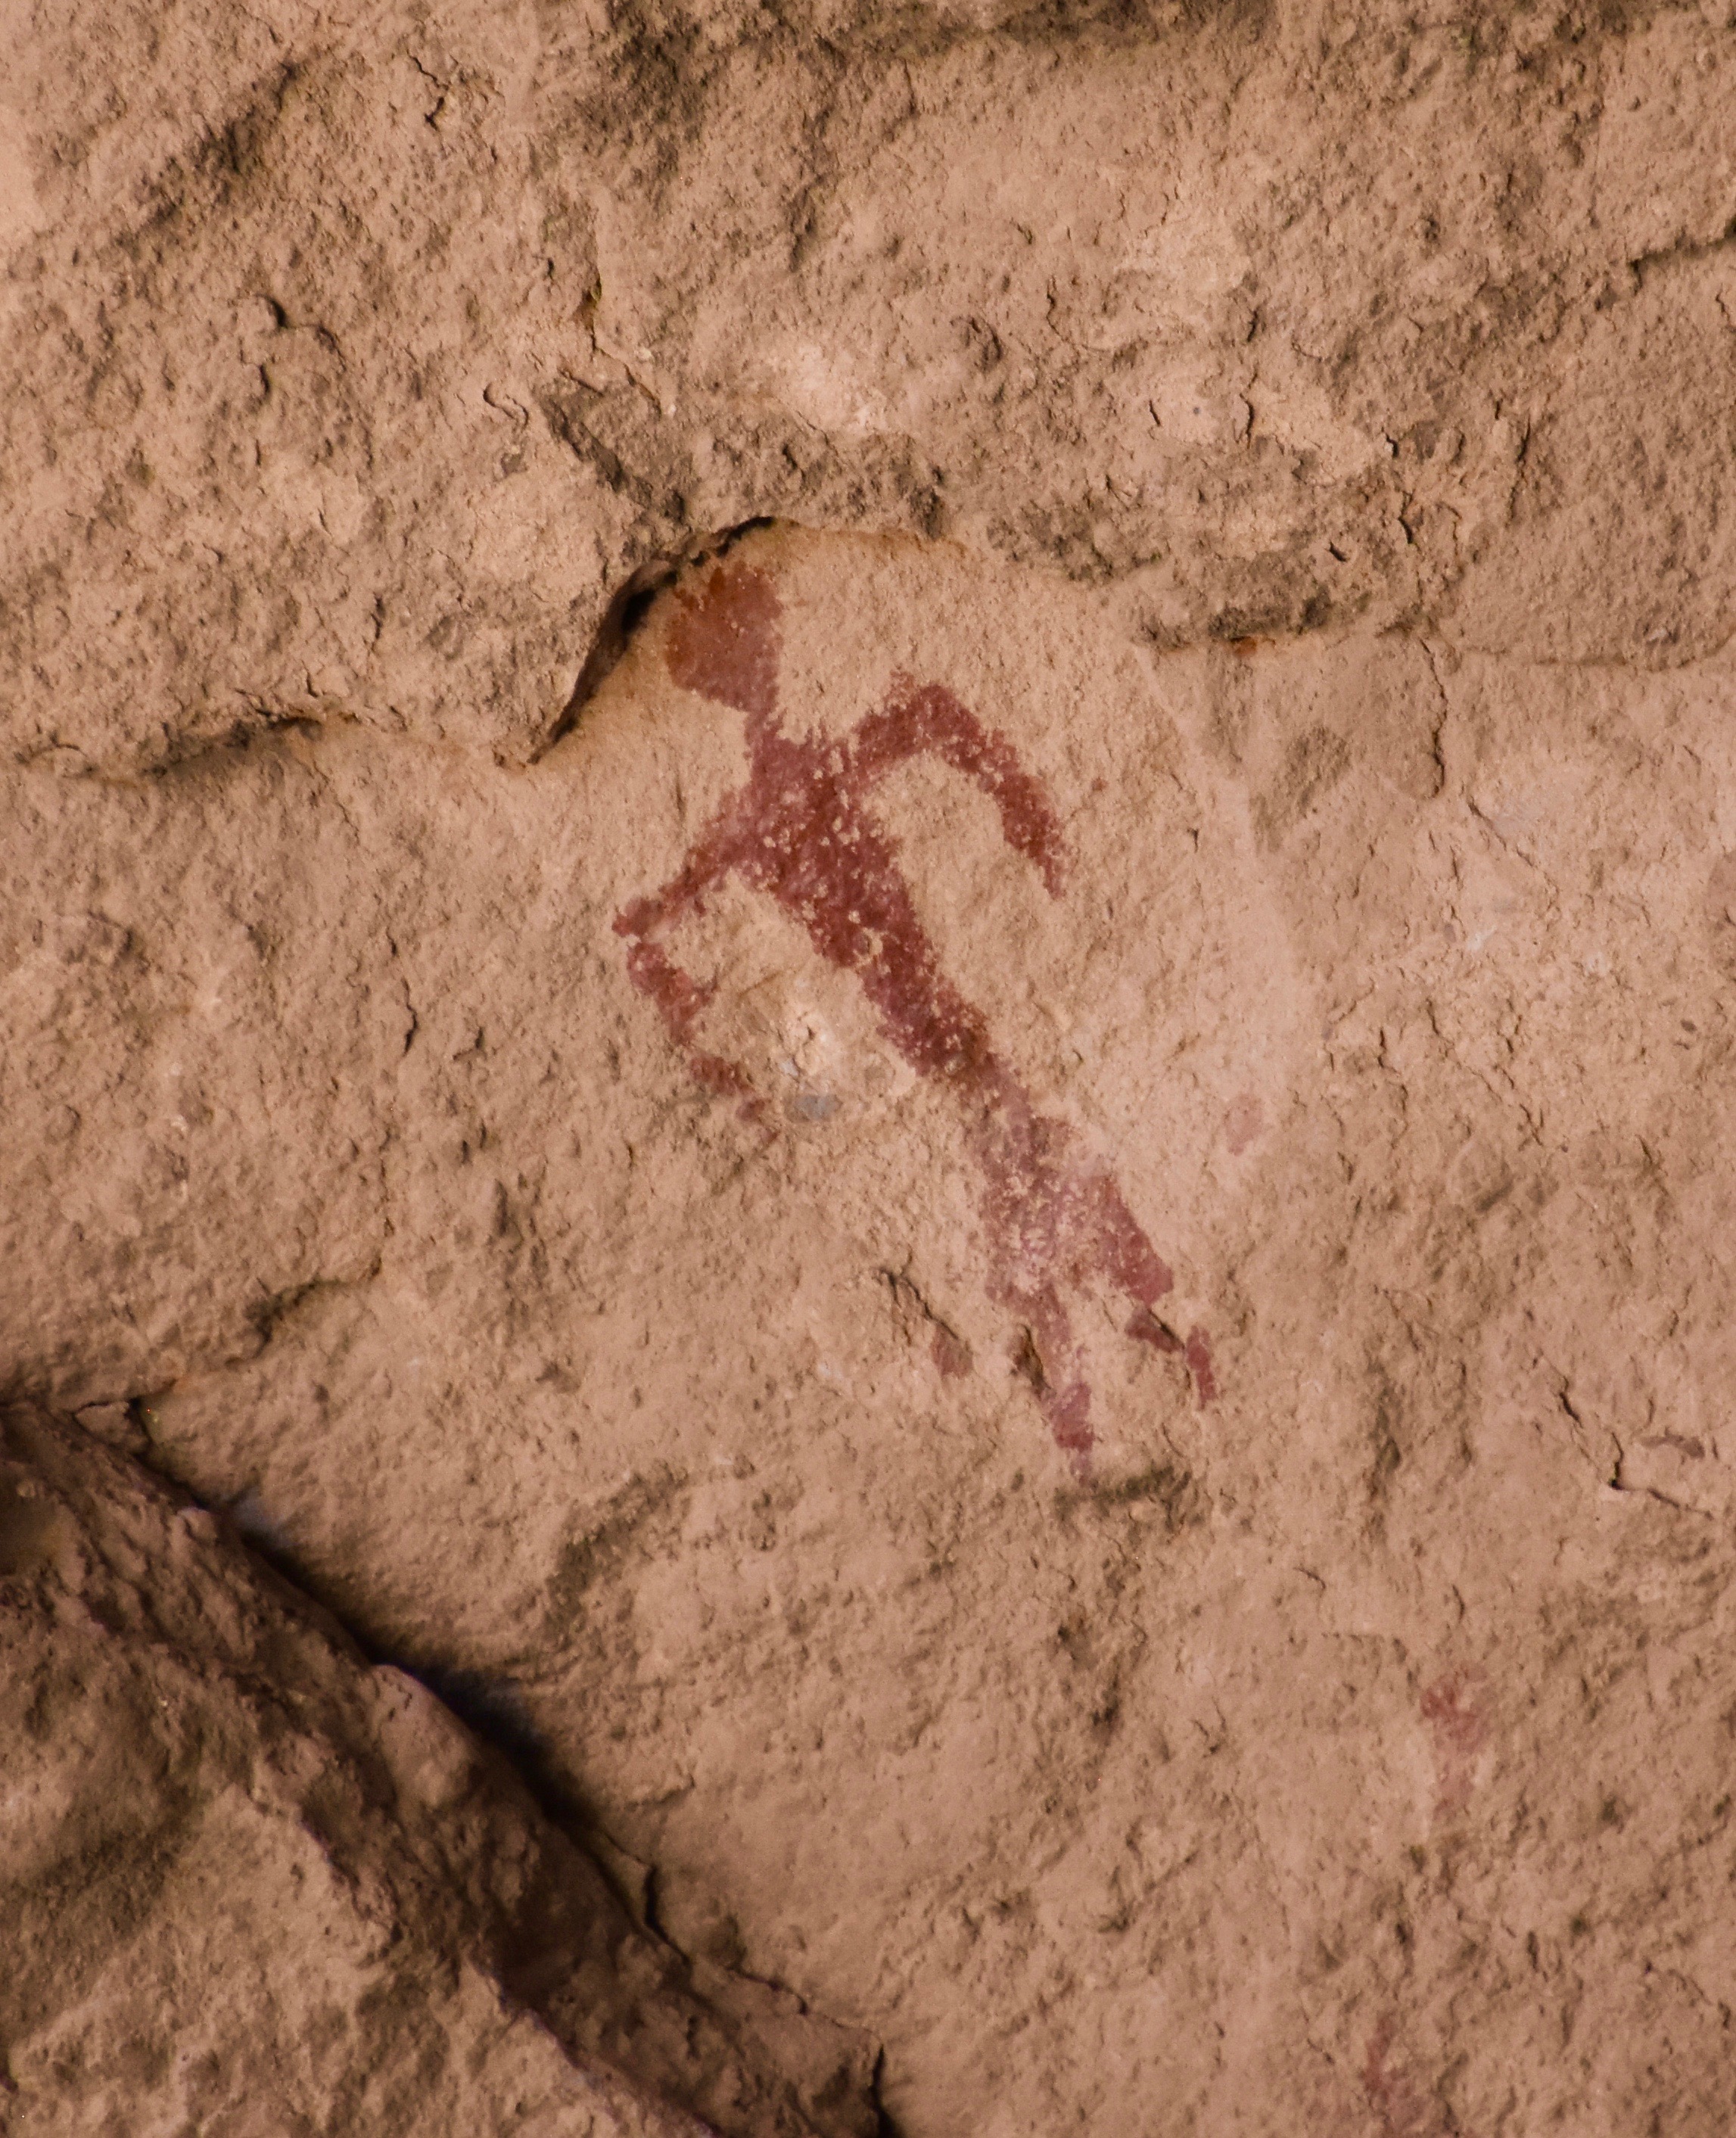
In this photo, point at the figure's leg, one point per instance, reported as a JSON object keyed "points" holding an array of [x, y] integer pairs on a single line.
{"points": [[1068, 1413], [1103, 1240], [1048, 1360], [1109, 1242], [1051, 1227], [1122, 1252], [1025, 1190]]}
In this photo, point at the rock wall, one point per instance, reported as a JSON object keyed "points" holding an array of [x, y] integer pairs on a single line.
{"points": [[253, 1884], [870, 903]]}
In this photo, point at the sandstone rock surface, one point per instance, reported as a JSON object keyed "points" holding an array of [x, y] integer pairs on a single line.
{"points": [[869, 910], [252, 1884], [361, 355]]}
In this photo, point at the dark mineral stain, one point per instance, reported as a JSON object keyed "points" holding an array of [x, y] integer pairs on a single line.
{"points": [[801, 831]]}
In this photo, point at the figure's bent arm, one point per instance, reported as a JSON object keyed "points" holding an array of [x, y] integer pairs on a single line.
{"points": [[679, 999], [925, 719]]}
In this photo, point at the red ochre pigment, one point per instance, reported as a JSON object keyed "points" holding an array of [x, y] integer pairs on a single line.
{"points": [[801, 830], [1454, 1707]]}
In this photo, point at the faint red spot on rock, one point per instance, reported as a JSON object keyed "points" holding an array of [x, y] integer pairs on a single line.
{"points": [[1399, 2104], [1454, 1707], [1242, 1123], [951, 1353]]}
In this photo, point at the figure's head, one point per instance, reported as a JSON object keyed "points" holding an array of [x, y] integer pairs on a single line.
{"points": [[722, 639]]}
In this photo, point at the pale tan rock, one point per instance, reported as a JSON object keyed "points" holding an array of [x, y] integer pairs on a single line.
{"points": [[252, 1884]]}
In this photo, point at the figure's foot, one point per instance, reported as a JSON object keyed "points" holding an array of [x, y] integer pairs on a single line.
{"points": [[1196, 1349], [1068, 1413]]}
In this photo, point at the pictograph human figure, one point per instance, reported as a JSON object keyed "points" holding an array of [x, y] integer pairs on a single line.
{"points": [[801, 830]]}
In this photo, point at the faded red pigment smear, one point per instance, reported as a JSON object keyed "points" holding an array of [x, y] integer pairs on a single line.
{"points": [[951, 1354], [1242, 1124], [1403, 2111], [801, 830], [1451, 1706]]}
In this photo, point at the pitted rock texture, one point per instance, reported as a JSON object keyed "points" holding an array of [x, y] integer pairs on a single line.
{"points": [[252, 1884], [869, 906], [360, 357], [1356, 1738]]}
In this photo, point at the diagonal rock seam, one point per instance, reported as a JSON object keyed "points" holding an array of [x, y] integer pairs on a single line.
{"points": [[750, 2038]]}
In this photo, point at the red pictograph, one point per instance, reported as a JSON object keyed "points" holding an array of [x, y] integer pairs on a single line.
{"points": [[802, 830]]}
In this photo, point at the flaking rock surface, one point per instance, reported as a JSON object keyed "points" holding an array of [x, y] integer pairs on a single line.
{"points": [[357, 357], [1061, 1333], [869, 915], [252, 1884]]}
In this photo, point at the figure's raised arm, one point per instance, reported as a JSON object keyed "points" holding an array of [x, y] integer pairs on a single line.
{"points": [[926, 721]]}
